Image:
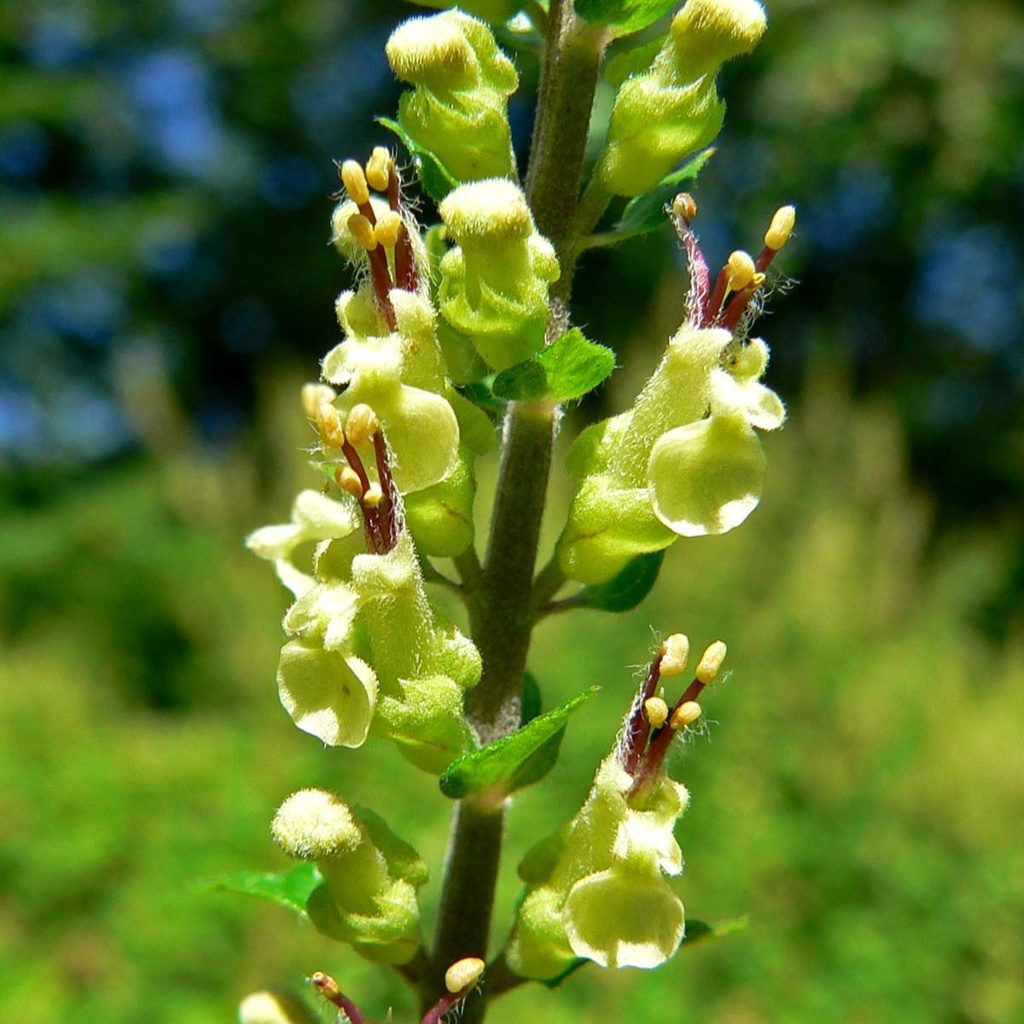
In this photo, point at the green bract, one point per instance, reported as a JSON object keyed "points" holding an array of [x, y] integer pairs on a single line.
{"points": [[494, 283], [368, 897], [683, 461], [462, 81], [673, 109], [597, 891]]}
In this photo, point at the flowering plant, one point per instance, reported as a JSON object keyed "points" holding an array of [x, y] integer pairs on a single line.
{"points": [[455, 340]]}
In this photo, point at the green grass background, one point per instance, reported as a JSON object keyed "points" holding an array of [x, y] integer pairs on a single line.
{"points": [[860, 794]]}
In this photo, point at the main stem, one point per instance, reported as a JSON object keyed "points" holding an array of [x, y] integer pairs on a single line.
{"points": [[501, 605]]}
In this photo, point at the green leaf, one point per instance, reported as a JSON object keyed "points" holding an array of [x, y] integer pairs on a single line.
{"points": [[647, 212], [530, 701], [566, 369], [700, 931], [515, 761], [437, 180], [623, 17], [626, 590], [289, 889]]}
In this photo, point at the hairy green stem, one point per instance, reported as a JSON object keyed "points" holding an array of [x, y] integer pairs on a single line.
{"points": [[502, 606]]}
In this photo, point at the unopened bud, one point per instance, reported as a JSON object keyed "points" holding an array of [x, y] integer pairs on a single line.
{"points": [[388, 229], [314, 824], [328, 422], [348, 480], [740, 269], [463, 974], [362, 231], [656, 711], [495, 208], [686, 713], [378, 168], [709, 32], [675, 653], [780, 228], [315, 395], [361, 425], [354, 180], [710, 662]]}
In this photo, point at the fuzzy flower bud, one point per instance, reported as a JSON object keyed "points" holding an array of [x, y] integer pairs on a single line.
{"points": [[494, 284], [458, 109], [673, 109], [368, 897], [707, 33]]}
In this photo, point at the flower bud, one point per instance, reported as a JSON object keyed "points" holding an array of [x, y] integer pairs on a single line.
{"points": [[707, 33], [458, 109], [368, 897], [494, 284], [673, 109]]}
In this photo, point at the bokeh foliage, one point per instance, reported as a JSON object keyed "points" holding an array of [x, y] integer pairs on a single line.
{"points": [[860, 799]]}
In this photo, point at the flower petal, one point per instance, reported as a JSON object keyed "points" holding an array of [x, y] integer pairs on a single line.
{"points": [[330, 695], [706, 477], [620, 918], [423, 433]]}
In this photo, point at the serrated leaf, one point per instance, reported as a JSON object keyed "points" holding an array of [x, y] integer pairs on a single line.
{"points": [[530, 699], [436, 179], [626, 590], [515, 761], [566, 369], [289, 889], [623, 17], [701, 931]]}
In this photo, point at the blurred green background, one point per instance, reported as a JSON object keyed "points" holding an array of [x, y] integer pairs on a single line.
{"points": [[165, 286]]}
